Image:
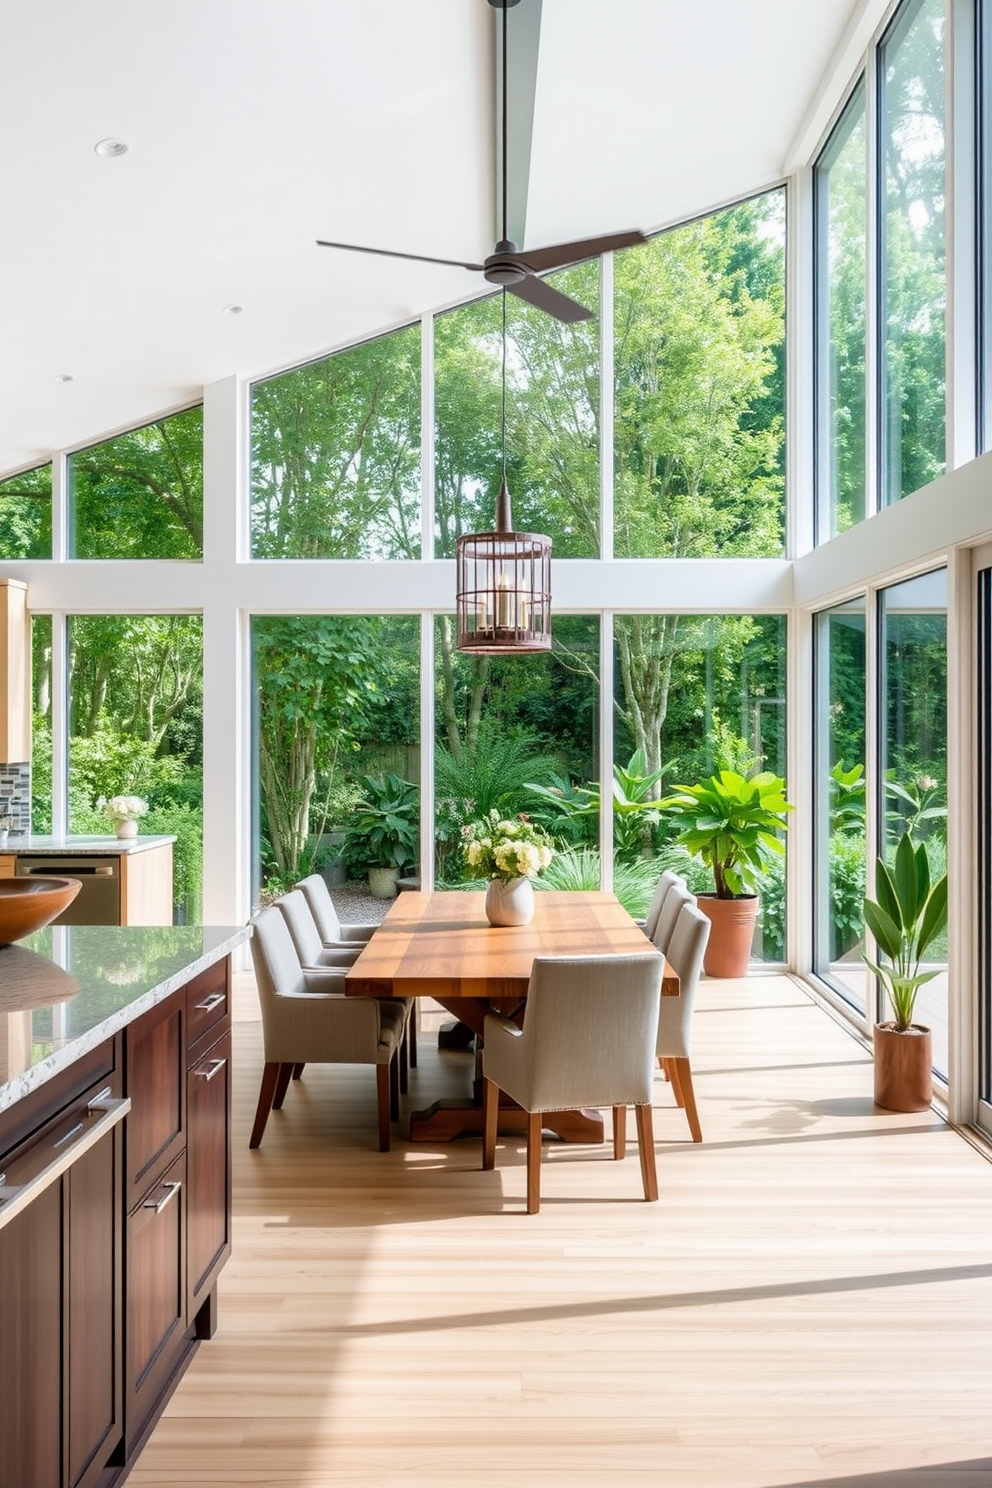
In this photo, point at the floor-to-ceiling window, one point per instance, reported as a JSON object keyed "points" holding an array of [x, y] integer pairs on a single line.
{"points": [[840, 757], [912, 288], [912, 777]]}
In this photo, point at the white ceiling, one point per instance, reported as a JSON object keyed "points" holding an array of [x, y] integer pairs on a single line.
{"points": [[255, 127]]}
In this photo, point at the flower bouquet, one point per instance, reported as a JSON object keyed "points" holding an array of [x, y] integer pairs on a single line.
{"points": [[124, 812], [509, 853]]}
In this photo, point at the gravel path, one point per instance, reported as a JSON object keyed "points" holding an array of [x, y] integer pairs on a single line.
{"points": [[355, 905]]}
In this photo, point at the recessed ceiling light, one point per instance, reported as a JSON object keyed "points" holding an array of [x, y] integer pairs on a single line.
{"points": [[111, 147], [63, 377], [233, 309]]}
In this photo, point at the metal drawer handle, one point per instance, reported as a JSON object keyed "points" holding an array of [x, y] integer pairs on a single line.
{"points": [[173, 1189], [213, 1001], [216, 1065], [103, 1114]]}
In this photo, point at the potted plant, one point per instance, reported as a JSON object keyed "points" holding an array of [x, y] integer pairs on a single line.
{"points": [[382, 836], [734, 825], [905, 919]]}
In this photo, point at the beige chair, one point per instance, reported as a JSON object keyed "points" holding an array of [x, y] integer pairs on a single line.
{"points": [[668, 881], [311, 949], [307, 1019], [332, 932], [588, 1039], [669, 913], [685, 956]]}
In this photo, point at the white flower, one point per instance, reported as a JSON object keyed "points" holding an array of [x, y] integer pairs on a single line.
{"points": [[124, 808]]}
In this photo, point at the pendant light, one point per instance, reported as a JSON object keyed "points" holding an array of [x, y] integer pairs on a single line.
{"points": [[503, 578]]}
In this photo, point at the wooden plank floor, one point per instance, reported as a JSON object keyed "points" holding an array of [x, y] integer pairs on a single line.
{"points": [[809, 1303]]}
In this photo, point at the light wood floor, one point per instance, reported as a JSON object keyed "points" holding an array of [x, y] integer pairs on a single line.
{"points": [[810, 1302]]}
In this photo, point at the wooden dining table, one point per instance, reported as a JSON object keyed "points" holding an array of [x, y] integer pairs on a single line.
{"points": [[442, 946]]}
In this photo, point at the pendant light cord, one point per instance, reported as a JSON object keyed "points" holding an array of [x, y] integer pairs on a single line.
{"points": [[503, 411], [503, 120]]}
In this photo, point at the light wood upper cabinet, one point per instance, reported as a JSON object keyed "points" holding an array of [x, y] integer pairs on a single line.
{"points": [[15, 673]]}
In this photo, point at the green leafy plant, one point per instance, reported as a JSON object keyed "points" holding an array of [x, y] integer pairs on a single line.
{"points": [[734, 825], [847, 798], [907, 916], [577, 868], [384, 826], [636, 803]]}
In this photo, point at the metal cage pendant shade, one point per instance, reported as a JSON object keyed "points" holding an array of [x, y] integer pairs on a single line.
{"points": [[503, 582]]}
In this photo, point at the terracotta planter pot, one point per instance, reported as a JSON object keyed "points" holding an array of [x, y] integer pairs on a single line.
{"points": [[732, 931], [903, 1067]]}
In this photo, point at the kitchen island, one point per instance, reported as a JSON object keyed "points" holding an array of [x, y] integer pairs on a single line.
{"points": [[115, 1194]]}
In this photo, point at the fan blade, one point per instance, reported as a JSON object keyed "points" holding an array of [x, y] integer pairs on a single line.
{"points": [[540, 260], [451, 263], [545, 297]]}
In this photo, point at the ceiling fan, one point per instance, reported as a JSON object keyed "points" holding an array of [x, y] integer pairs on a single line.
{"points": [[510, 267]]}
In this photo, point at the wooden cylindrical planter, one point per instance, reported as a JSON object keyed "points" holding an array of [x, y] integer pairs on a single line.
{"points": [[731, 933], [903, 1067]]}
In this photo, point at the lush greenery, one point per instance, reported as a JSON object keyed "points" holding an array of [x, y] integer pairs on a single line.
{"points": [[26, 514], [906, 917], [384, 824]]}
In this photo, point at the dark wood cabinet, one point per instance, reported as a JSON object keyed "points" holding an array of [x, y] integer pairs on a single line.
{"points": [[31, 1345], [114, 1226], [60, 1297]]}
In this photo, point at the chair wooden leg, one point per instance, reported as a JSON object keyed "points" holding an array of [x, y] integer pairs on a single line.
{"points": [[282, 1085], [298, 1070], [490, 1117], [403, 1056], [664, 1068], [673, 1075], [619, 1132], [270, 1076], [382, 1095], [533, 1162], [411, 1035], [684, 1076], [645, 1148], [394, 1086]]}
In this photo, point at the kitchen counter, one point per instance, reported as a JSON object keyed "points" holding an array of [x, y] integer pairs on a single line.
{"points": [[25, 844], [65, 990]]}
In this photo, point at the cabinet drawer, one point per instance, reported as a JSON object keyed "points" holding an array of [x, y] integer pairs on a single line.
{"points": [[156, 1083], [208, 1000]]}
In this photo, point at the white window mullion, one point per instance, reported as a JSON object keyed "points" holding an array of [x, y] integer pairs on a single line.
{"points": [[427, 751], [606, 407], [873, 333], [60, 724], [427, 438], [606, 750], [961, 226], [60, 507]]}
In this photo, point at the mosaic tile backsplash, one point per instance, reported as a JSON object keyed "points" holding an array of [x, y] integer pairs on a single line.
{"points": [[15, 796]]}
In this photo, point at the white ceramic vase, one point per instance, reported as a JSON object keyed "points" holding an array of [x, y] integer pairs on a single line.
{"points": [[510, 902], [126, 829]]}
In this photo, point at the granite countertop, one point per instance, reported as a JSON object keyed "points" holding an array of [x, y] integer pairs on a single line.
{"points": [[66, 989], [26, 843]]}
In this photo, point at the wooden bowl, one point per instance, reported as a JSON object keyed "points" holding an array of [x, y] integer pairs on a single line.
{"points": [[28, 904]]}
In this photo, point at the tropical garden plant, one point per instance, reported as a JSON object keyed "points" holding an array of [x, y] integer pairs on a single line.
{"points": [[906, 917], [734, 825], [384, 827], [636, 803]]}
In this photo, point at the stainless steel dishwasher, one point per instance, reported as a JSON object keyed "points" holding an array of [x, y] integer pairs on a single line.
{"points": [[99, 899]]}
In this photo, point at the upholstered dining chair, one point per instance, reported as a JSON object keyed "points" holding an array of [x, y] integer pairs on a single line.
{"points": [[332, 931], [307, 1019], [315, 955], [336, 936], [668, 915], [668, 881], [588, 1039], [686, 947]]}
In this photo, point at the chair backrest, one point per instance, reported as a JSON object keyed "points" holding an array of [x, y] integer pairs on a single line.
{"points": [[668, 881], [278, 972], [590, 1029], [318, 897], [674, 900], [295, 910], [685, 956]]}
